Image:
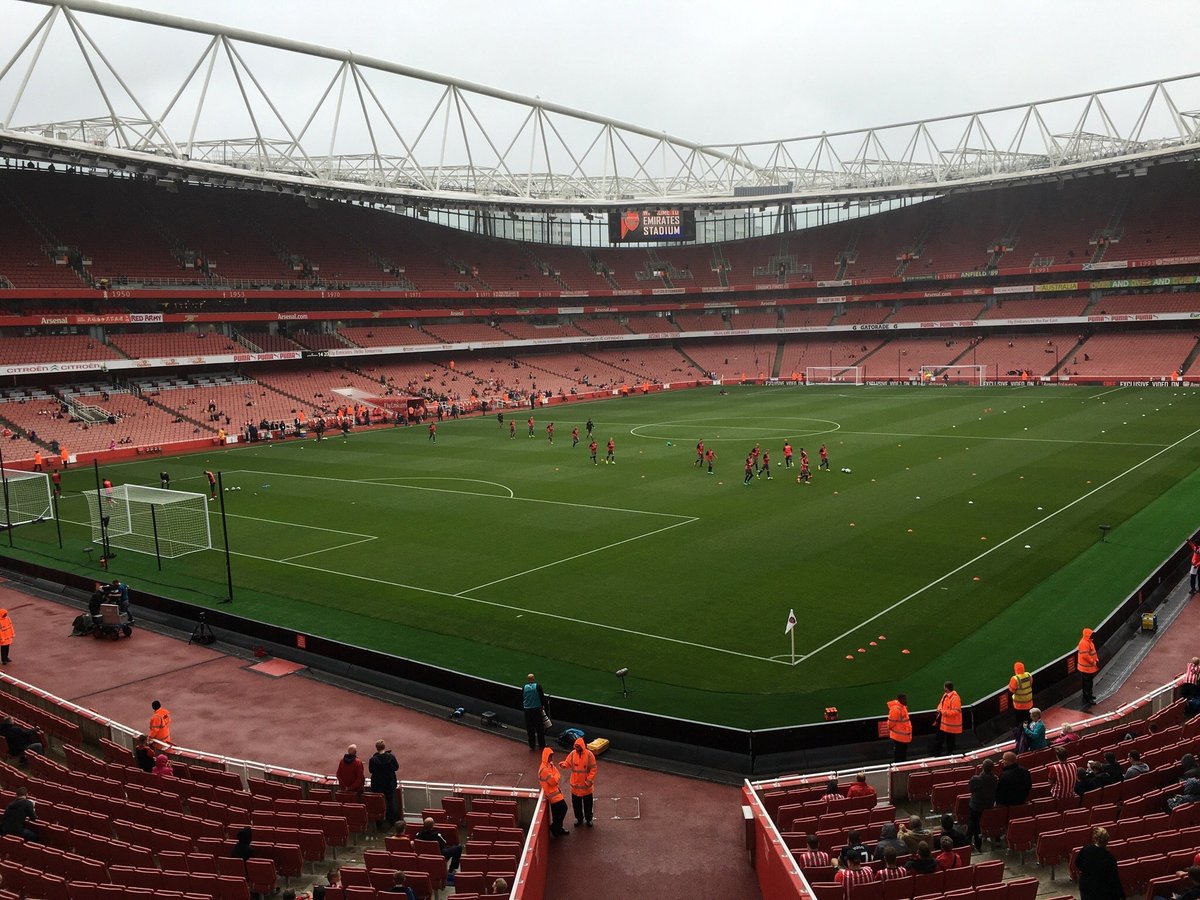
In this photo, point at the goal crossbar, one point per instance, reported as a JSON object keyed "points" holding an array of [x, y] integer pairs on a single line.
{"points": [[150, 520], [27, 496], [817, 375], [953, 374]]}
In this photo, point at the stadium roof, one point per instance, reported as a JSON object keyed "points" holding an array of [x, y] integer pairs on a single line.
{"points": [[424, 139]]}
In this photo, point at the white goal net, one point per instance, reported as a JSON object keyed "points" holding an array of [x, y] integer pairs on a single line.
{"points": [[973, 375], [139, 517], [28, 497], [833, 375]]}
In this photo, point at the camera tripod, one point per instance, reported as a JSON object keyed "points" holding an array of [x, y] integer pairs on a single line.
{"points": [[202, 633]]}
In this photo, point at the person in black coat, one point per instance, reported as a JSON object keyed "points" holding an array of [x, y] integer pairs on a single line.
{"points": [[144, 754], [19, 739], [1098, 876], [383, 767], [243, 849], [18, 815], [1014, 784]]}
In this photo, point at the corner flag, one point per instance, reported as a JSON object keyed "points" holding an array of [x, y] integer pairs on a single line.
{"points": [[791, 622]]}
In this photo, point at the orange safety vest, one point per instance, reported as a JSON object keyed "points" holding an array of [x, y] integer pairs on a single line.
{"points": [[37, 457], [160, 725], [548, 777], [583, 769], [1088, 660], [1021, 688], [899, 724], [7, 632], [950, 710], [64, 455]]}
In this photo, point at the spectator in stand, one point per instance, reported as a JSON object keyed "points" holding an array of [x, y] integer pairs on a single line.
{"points": [[854, 849], [854, 873], [243, 849], [888, 841], [350, 773], [18, 817], [915, 833], [814, 857], [923, 862], [162, 767], [983, 796], [957, 836], [383, 767], [1136, 766], [143, 753], [1066, 735], [1015, 782], [831, 791], [1190, 685], [1062, 775], [860, 788], [890, 868], [1091, 778], [400, 886], [947, 858], [429, 832], [1098, 876], [499, 886], [1191, 794], [1034, 732], [19, 739], [1111, 768], [1187, 767], [1189, 890]]}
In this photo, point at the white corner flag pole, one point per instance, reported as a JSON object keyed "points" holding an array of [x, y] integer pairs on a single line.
{"points": [[791, 629]]}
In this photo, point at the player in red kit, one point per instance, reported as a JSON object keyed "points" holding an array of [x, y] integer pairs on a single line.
{"points": [[787, 454], [574, 436], [749, 470], [803, 458], [700, 453], [433, 431], [710, 457], [824, 458], [592, 450], [530, 424], [512, 428], [804, 475], [611, 455], [550, 432], [765, 469]]}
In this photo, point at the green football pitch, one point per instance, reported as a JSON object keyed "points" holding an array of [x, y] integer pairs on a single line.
{"points": [[964, 535]]}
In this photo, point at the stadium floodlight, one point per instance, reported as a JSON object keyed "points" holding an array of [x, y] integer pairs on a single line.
{"points": [[842, 375], [972, 375], [28, 496], [151, 520]]}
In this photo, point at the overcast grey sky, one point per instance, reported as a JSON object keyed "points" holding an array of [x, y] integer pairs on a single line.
{"points": [[702, 70]]}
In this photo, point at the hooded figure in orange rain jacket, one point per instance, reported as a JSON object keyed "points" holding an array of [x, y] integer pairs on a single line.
{"points": [[1087, 661], [582, 763], [548, 779], [7, 633]]}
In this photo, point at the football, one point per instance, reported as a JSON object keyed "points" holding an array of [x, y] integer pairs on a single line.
{"points": [[846, 470]]}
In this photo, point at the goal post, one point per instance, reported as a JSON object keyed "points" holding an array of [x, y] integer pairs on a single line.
{"points": [[28, 496], [972, 375], [833, 375], [138, 517]]}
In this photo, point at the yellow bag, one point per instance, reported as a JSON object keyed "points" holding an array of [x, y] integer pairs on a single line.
{"points": [[598, 746]]}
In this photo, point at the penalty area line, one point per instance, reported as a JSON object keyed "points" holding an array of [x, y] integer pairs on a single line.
{"points": [[993, 549], [523, 610]]}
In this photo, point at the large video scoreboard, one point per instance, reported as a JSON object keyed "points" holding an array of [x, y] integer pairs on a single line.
{"points": [[643, 226]]}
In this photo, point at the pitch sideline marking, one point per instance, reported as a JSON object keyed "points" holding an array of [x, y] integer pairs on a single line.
{"points": [[365, 540], [801, 658], [415, 487], [520, 609], [982, 437], [1104, 393]]}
